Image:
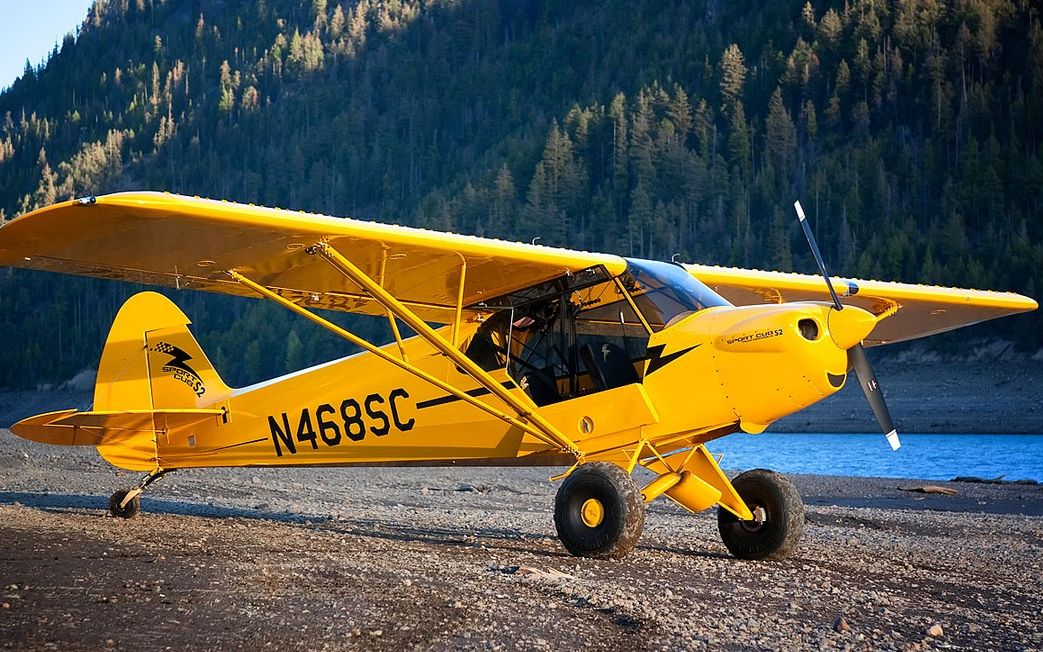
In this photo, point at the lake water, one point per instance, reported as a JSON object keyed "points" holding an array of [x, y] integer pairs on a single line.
{"points": [[931, 457]]}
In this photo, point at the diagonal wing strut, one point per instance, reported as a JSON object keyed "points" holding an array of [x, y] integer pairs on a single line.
{"points": [[523, 409], [524, 417]]}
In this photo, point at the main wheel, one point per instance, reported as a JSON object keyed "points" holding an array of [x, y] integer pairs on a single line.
{"points": [[598, 511], [778, 515], [130, 510]]}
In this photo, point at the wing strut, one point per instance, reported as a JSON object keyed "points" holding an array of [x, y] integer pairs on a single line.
{"points": [[432, 337], [402, 364]]}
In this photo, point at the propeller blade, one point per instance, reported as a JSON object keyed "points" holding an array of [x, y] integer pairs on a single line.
{"points": [[856, 354], [818, 254], [867, 379]]}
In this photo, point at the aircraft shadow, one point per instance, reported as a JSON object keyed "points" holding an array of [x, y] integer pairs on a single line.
{"points": [[370, 528], [508, 540]]}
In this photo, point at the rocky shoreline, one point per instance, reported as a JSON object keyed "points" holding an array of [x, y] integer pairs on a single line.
{"points": [[467, 559], [936, 397]]}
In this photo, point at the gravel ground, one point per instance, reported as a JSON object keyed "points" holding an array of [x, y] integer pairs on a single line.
{"points": [[467, 558]]}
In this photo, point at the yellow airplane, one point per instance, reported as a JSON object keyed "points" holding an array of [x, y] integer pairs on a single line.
{"points": [[522, 355]]}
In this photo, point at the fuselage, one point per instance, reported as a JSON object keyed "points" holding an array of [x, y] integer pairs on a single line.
{"points": [[698, 368]]}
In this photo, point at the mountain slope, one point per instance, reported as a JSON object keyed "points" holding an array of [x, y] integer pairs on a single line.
{"points": [[910, 128]]}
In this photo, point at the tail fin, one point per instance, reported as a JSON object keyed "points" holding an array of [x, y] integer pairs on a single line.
{"points": [[152, 362], [152, 378]]}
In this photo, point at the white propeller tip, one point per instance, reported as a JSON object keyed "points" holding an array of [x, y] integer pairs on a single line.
{"points": [[800, 210], [892, 438]]}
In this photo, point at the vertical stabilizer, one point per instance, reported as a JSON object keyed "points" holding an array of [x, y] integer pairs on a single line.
{"points": [[151, 361]]}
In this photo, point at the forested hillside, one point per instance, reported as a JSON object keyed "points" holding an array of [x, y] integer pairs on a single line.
{"points": [[909, 128]]}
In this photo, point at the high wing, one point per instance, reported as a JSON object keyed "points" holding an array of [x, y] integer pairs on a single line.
{"points": [[191, 243], [912, 310]]}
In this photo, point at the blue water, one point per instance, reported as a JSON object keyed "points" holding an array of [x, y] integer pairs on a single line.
{"points": [[930, 457]]}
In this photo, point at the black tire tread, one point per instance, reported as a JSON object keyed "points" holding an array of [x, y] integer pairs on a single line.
{"points": [[617, 540], [785, 529], [130, 511]]}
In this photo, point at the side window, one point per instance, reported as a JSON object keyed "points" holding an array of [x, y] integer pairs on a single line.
{"points": [[531, 342], [563, 345], [539, 358], [610, 341], [487, 347]]}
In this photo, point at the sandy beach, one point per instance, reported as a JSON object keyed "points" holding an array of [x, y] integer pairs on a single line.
{"points": [[467, 559]]}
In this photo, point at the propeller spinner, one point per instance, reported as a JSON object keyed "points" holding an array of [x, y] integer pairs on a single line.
{"points": [[856, 354]]}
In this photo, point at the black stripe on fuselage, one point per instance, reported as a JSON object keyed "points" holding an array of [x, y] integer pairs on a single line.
{"points": [[449, 398], [242, 443]]}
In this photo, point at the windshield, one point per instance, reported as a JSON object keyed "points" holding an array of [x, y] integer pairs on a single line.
{"points": [[665, 292]]}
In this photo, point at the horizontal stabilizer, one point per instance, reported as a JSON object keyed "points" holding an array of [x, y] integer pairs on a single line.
{"points": [[74, 428]]}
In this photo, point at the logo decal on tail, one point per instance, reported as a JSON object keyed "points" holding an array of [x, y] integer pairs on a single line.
{"points": [[178, 365]]}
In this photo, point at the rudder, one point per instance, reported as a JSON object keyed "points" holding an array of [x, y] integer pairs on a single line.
{"points": [[152, 361]]}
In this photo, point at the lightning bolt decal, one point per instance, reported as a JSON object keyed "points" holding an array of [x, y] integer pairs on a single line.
{"points": [[178, 366], [656, 359], [178, 357]]}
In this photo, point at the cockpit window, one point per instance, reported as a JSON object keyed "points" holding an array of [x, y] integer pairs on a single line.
{"points": [[576, 335], [665, 293], [579, 333]]}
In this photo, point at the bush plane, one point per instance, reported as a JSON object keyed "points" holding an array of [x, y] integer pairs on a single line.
{"points": [[519, 355]]}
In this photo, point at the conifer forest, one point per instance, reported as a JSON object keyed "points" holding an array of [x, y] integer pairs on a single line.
{"points": [[909, 129]]}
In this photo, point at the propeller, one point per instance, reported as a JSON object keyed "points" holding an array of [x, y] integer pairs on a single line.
{"points": [[856, 355]]}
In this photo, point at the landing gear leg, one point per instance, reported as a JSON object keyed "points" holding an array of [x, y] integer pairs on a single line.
{"points": [[126, 503]]}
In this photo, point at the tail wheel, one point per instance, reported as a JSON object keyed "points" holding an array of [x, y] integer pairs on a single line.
{"points": [[778, 521], [598, 512], [130, 510]]}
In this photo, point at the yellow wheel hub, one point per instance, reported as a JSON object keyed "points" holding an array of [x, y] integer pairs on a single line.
{"points": [[592, 512]]}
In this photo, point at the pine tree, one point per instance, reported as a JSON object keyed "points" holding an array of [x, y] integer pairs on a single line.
{"points": [[294, 352], [830, 30], [779, 133], [47, 191], [641, 141], [639, 220], [807, 16], [679, 111], [318, 12], [337, 22], [505, 196], [227, 101], [733, 79], [843, 78], [312, 56], [808, 121], [704, 128], [620, 150], [539, 207], [295, 56], [739, 140]]}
